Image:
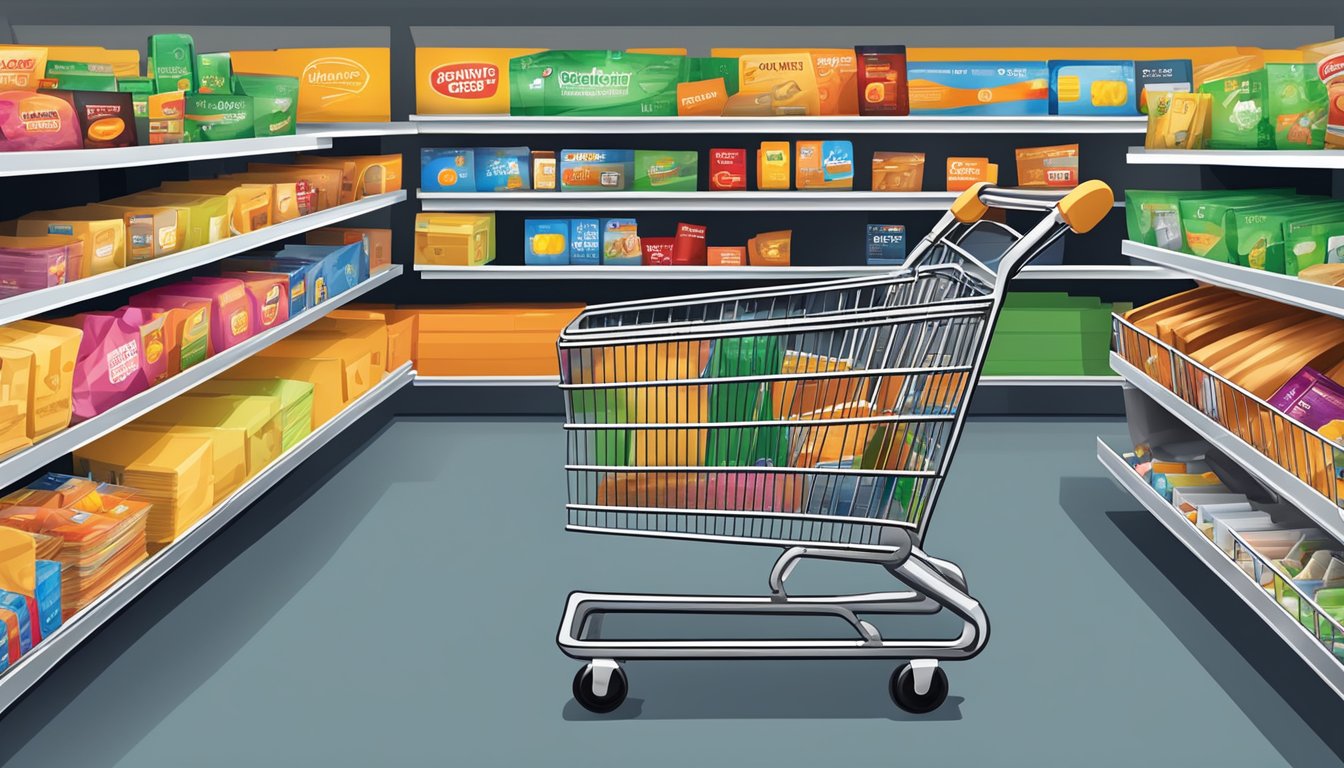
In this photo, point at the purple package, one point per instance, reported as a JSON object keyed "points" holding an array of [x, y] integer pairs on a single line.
{"points": [[1310, 397]]}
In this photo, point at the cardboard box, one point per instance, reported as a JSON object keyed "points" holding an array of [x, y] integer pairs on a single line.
{"points": [[151, 230], [474, 81], [727, 256], [363, 175], [454, 239], [104, 235], [596, 170], [665, 171], [202, 218], [172, 64], [336, 85], [55, 349], [167, 117], [727, 169]]}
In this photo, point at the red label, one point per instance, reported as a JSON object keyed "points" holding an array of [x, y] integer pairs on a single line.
{"points": [[466, 81], [1331, 67]]}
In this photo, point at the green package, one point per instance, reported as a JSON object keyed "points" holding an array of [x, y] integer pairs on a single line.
{"points": [[705, 68], [1204, 221], [172, 62], [140, 89], [275, 102], [665, 171], [1298, 106], [80, 76], [1153, 217], [1307, 244], [1240, 119], [595, 83], [214, 73], [1259, 237], [218, 117], [746, 401]]}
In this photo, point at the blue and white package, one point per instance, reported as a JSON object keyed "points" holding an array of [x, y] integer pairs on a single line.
{"points": [[1004, 88], [503, 169], [48, 596], [337, 269], [1164, 76], [886, 244], [585, 242], [13, 601], [1093, 88], [447, 170], [546, 242]]}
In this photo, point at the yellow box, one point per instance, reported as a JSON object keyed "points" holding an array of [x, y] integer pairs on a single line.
{"points": [[254, 418], [836, 71], [361, 175], [327, 376], [22, 67], [104, 235], [151, 230], [167, 117], [228, 451], [772, 165], [124, 63], [356, 359], [776, 84], [252, 205], [16, 371], [371, 329], [464, 81], [325, 182], [454, 239], [201, 218], [54, 349], [336, 85]]}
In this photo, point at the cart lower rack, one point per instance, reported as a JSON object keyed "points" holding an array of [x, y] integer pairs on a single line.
{"points": [[820, 418]]}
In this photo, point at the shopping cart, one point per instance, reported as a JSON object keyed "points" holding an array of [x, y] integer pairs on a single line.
{"points": [[819, 418]]}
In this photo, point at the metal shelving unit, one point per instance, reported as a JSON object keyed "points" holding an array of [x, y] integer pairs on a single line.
{"points": [[1298, 637], [37, 663], [1285, 289], [47, 299], [505, 124], [1245, 158], [572, 272], [487, 381], [20, 463]]}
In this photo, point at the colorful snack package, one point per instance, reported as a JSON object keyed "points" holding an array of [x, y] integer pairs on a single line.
{"points": [[882, 87]]}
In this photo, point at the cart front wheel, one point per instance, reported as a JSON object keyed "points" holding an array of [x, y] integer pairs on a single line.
{"points": [[907, 697], [614, 695]]}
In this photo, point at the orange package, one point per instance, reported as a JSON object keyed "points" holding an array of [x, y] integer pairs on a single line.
{"points": [[336, 85], [965, 172]]}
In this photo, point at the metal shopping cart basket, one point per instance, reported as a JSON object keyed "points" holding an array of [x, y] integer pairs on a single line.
{"points": [[819, 418]]}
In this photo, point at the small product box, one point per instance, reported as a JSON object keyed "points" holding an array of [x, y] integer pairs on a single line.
{"points": [[543, 170], [106, 119], [218, 117], [727, 256], [620, 242], [660, 171], [596, 170], [881, 80], [547, 242], [455, 239], [659, 251], [79, 76], [1048, 166], [1166, 76], [214, 73], [727, 169], [167, 117], [965, 172], [979, 88], [886, 244], [585, 242], [503, 169], [825, 165], [689, 250], [772, 165], [1092, 88], [172, 62], [447, 170]]}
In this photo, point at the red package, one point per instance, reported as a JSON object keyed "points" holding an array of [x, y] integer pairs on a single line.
{"points": [[689, 249], [659, 251], [727, 169]]}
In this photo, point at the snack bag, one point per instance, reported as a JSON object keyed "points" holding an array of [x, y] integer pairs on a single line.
{"points": [[1297, 103], [121, 354], [1239, 118]]}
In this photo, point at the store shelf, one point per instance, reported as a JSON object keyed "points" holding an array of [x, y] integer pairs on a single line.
{"points": [[1246, 158], [516, 272], [1051, 381], [1260, 601], [1285, 289], [688, 201], [22, 462], [487, 381], [354, 130], [505, 124], [38, 302], [1321, 510], [37, 663]]}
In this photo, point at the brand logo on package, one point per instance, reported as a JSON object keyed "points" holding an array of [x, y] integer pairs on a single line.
{"points": [[595, 78], [344, 77], [476, 80], [1331, 67], [781, 66]]}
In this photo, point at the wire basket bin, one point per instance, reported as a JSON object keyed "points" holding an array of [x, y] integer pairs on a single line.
{"points": [[819, 418]]}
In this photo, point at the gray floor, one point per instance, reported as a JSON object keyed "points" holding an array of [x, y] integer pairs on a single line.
{"points": [[405, 612]]}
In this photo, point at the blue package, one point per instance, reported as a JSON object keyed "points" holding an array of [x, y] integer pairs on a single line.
{"points": [[886, 244], [337, 269], [596, 170], [585, 242], [1012, 88], [1093, 88], [447, 170], [1163, 76], [546, 242], [298, 274], [48, 596], [503, 169], [13, 601]]}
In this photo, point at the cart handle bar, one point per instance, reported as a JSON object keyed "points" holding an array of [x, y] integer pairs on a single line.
{"points": [[1080, 208]]}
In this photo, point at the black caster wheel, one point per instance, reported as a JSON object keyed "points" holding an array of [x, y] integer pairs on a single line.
{"points": [[903, 690], [617, 688]]}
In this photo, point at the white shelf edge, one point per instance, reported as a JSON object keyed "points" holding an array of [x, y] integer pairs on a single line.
{"points": [[1052, 381], [30, 459], [1321, 660], [487, 381], [353, 130], [31, 668], [503, 124], [585, 272], [70, 160], [1323, 159], [1321, 510], [47, 299], [1285, 289]]}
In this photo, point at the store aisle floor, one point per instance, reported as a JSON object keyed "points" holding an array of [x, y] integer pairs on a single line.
{"points": [[405, 614]]}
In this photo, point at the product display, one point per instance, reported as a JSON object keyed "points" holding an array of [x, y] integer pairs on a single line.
{"points": [[824, 165], [600, 170], [1048, 166], [455, 239], [979, 88], [595, 83], [487, 340], [965, 172], [886, 245], [898, 171]]}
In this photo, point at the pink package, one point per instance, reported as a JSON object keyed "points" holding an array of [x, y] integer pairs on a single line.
{"points": [[121, 355], [30, 121], [267, 293], [1310, 397], [33, 263], [231, 320], [731, 491]]}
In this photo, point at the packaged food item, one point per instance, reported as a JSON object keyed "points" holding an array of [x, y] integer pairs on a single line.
{"points": [[595, 83], [121, 354], [1209, 223], [32, 121], [447, 170], [620, 242], [775, 84], [16, 367], [167, 117], [979, 88], [231, 317], [36, 262], [585, 242], [1153, 217], [716, 67], [251, 205], [770, 249], [275, 101], [54, 349], [772, 165], [151, 230], [336, 85], [1164, 76], [172, 62], [1328, 59], [965, 172], [104, 236], [503, 169], [689, 245], [296, 274], [201, 219], [361, 175], [726, 256], [898, 171], [317, 187], [1308, 244], [140, 89], [377, 242], [105, 119], [883, 91], [727, 169], [475, 81], [702, 97], [1178, 120], [886, 244], [1259, 237], [1096, 88], [79, 76], [596, 170], [214, 73], [666, 171], [218, 117], [255, 420], [336, 269], [22, 68], [659, 251], [837, 71], [186, 333], [543, 170], [1298, 105], [1238, 118], [546, 242], [455, 239], [825, 165], [269, 294], [295, 397], [1055, 166]]}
